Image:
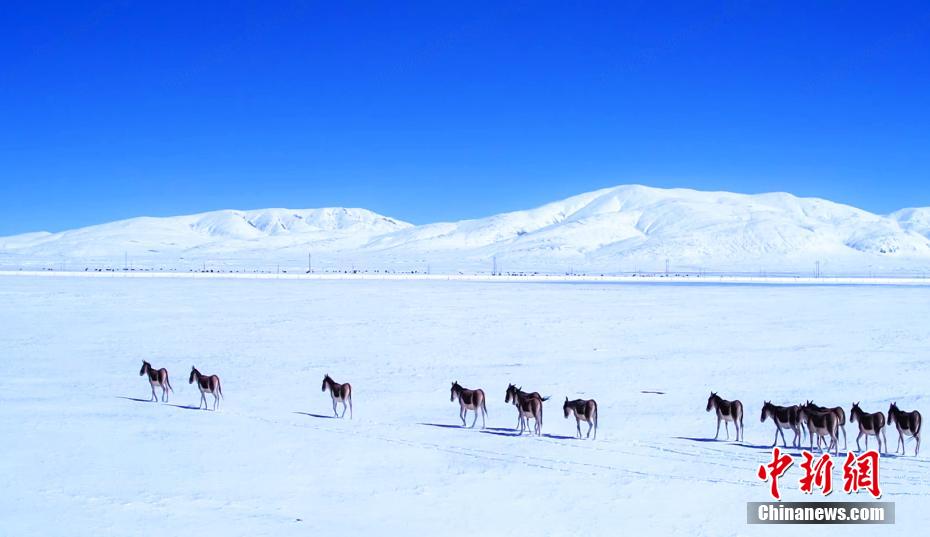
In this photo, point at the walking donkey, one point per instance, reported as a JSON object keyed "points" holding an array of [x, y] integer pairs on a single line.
{"points": [[822, 423], [206, 384], [908, 424], [869, 425], [840, 417], [529, 405], [157, 377], [727, 411], [469, 400], [584, 409], [785, 417], [341, 393]]}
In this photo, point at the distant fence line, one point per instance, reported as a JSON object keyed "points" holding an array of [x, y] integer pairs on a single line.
{"points": [[329, 266]]}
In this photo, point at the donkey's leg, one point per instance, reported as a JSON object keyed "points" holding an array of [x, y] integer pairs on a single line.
{"points": [[844, 438], [474, 421], [578, 426], [153, 393], [590, 425], [775, 442], [726, 425], [334, 408], [462, 412], [718, 428], [783, 441], [858, 449], [917, 449]]}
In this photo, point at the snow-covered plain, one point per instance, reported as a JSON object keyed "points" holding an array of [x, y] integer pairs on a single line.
{"points": [[84, 453]]}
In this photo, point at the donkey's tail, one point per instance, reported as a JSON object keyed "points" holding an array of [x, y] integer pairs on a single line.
{"points": [[595, 416], [219, 387], [546, 398], [350, 403], [168, 382], [484, 406]]}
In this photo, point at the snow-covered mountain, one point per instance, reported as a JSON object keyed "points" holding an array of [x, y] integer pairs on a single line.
{"points": [[216, 233], [624, 228]]}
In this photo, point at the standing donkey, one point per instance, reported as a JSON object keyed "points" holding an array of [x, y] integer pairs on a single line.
{"points": [[785, 417], [869, 425], [157, 377], [908, 424], [823, 424], [206, 384], [840, 417], [341, 393], [727, 411], [529, 405], [469, 400], [584, 409]]}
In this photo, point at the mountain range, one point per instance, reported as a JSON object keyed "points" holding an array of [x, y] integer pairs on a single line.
{"points": [[621, 229]]}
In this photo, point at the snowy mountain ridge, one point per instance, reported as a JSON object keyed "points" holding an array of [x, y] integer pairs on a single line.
{"points": [[624, 226]]}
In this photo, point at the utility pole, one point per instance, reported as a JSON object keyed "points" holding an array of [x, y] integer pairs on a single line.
{"points": [[309, 263], [125, 260], [666, 266], [494, 266]]}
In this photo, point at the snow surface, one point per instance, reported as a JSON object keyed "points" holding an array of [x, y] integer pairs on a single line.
{"points": [[83, 453], [628, 228]]}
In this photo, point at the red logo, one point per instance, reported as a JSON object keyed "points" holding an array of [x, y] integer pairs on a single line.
{"points": [[859, 473], [819, 474], [775, 469]]}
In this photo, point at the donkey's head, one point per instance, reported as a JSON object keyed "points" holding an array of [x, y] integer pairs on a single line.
{"points": [[566, 408], [511, 393], [711, 400], [455, 389], [145, 367], [892, 410], [766, 408], [326, 382], [853, 411], [194, 374]]}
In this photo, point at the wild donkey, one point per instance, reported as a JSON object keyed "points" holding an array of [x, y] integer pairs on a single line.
{"points": [[823, 424], [869, 425], [727, 411], [157, 377], [469, 400], [584, 409], [529, 405], [785, 417], [908, 424], [206, 384], [340, 394], [840, 417]]}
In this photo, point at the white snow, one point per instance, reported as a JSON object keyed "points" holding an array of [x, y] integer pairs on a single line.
{"points": [[82, 456], [628, 228]]}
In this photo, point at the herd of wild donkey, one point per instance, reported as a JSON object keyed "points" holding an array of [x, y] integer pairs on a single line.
{"points": [[813, 420]]}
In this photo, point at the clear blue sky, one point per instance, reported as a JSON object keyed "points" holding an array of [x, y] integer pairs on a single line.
{"points": [[450, 110]]}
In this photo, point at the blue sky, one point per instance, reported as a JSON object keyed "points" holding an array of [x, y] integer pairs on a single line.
{"points": [[442, 110]]}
